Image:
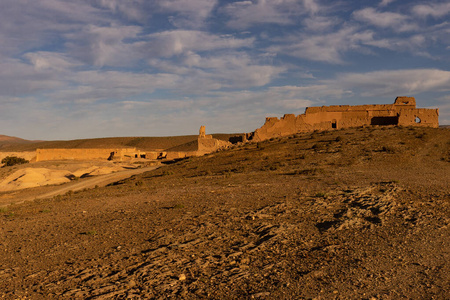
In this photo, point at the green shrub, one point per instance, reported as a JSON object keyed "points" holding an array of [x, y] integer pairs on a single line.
{"points": [[13, 160]]}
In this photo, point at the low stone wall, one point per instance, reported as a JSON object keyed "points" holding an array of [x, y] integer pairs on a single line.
{"points": [[83, 154], [176, 155]]}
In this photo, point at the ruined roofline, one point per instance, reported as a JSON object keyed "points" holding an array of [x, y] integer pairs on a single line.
{"points": [[400, 102]]}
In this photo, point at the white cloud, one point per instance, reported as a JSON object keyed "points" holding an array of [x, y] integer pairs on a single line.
{"points": [[132, 9], [435, 10], [413, 44], [244, 14], [386, 2], [327, 47], [221, 70], [29, 24], [18, 78], [444, 110], [311, 6], [124, 45], [394, 21], [176, 42], [101, 46], [50, 61], [396, 82], [189, 13], [320, 23]]}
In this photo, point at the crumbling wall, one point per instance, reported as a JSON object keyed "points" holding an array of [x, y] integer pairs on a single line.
{"points": [[83, 154], [207, 144], [175, 155], [421, 117], [403, 112]]}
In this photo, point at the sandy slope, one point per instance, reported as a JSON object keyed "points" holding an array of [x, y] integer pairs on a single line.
{"points": [[34, 177]]}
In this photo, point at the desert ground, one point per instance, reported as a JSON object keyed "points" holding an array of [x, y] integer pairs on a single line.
{"points": [[359, 213]]}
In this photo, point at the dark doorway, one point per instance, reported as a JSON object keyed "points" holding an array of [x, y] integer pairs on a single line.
{"points": [[384, 121], [236, 139], [334, 124]]}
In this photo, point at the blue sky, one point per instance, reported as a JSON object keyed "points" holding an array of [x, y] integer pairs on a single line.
{"points": [[102, 68]]}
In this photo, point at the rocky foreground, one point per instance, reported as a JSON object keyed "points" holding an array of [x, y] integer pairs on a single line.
{"points": [[349, 214]]}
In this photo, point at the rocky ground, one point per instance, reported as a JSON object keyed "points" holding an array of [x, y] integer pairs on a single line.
{"points": [[349, 214]]}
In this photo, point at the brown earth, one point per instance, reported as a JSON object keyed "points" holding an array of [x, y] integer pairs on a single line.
{"points": [[8, 141], [349, 214]]}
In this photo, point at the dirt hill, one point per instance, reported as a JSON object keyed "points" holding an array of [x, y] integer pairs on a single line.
{"points": [[10, 140], [348, 214]]}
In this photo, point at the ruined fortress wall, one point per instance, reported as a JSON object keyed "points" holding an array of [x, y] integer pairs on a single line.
{"points": [[81, 154], [403, 112], [421, 117]]}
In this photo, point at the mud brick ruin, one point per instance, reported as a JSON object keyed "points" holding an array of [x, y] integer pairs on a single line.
{"points": [[402, 113], [203, 145]]}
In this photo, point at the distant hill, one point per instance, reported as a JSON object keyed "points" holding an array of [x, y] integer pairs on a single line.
{"points": [[6, 141], [11, 139], [141, 143]]}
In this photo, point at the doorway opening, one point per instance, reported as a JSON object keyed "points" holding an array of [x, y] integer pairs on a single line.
{"points": [[384, 121]]}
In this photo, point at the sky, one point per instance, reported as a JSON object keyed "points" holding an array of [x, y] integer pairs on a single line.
{"points": [[109, 68]]}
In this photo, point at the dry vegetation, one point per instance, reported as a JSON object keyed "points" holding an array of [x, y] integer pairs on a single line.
{"points": [[348, 214]]}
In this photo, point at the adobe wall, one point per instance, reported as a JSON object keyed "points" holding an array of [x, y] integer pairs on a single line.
{"points": [[175, 155], [83, 154], [403, 113]]}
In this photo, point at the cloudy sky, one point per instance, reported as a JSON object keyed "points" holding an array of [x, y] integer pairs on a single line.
{"points": [[98, 68]]}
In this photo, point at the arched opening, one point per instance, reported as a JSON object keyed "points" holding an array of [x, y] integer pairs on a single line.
{"points": [[417, 120]]}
